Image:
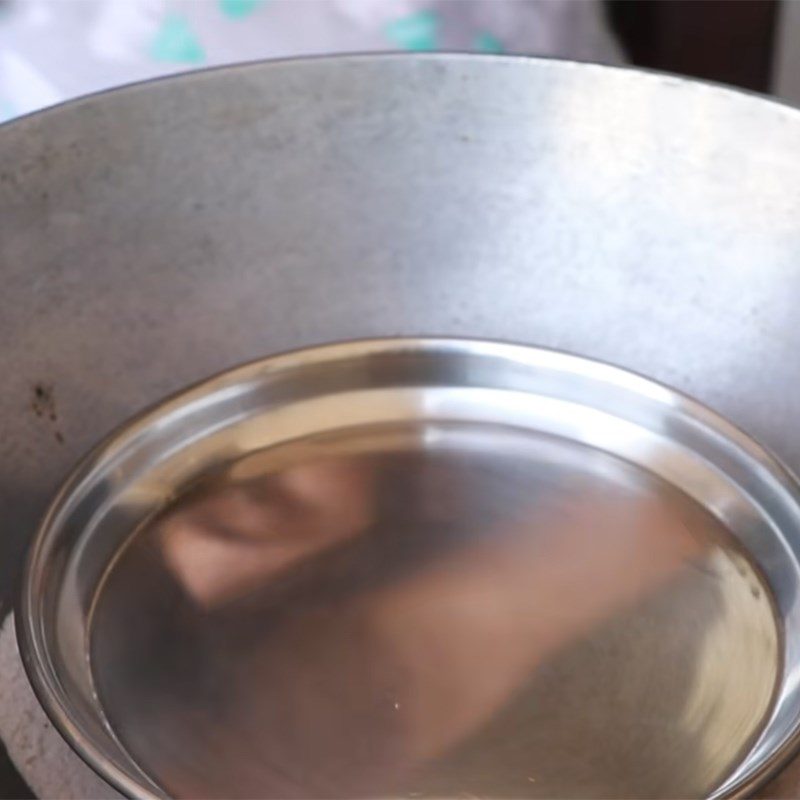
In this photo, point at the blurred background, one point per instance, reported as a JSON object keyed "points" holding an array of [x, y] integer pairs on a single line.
{"points": [[753, 44], [53, 50]]}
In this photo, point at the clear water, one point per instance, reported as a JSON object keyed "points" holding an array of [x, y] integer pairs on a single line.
{"points": [[434, 611]]}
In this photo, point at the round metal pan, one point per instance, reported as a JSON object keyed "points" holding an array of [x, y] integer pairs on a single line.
{"points": [[557, 578]]}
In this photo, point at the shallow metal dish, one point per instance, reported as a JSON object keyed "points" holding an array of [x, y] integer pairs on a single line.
{"points": [[657, 693]]}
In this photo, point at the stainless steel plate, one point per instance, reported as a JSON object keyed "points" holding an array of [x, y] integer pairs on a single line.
{"points": [[422, 568]]}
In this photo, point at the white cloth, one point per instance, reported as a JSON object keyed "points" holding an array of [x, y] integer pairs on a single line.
{"points": [[53, 50]]}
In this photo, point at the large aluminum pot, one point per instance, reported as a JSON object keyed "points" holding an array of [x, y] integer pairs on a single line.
{"points": [[153, 235]]}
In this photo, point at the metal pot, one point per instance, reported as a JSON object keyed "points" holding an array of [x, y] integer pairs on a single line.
{"points": [[156, 234]]}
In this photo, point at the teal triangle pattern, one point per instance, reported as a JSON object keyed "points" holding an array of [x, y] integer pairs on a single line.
{"points": [[176, 42], [238, 9], [486, 42], [418, 31], [7, 111]]}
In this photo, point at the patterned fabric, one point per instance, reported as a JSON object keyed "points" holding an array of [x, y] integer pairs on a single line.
{"points": [[52, 50]]}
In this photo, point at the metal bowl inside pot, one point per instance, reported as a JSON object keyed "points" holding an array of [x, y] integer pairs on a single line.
{"points": [[422, 568]]}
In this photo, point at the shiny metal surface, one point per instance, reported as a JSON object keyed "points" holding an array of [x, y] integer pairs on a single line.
{"points": [[154, 235], [430, 568]]}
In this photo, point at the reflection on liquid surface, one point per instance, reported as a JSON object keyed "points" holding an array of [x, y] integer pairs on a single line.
{"points": [[437, 611]]}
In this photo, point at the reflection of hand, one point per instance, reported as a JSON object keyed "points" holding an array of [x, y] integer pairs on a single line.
{"points": [[354, 697], [469, 631], [238, 536]]}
